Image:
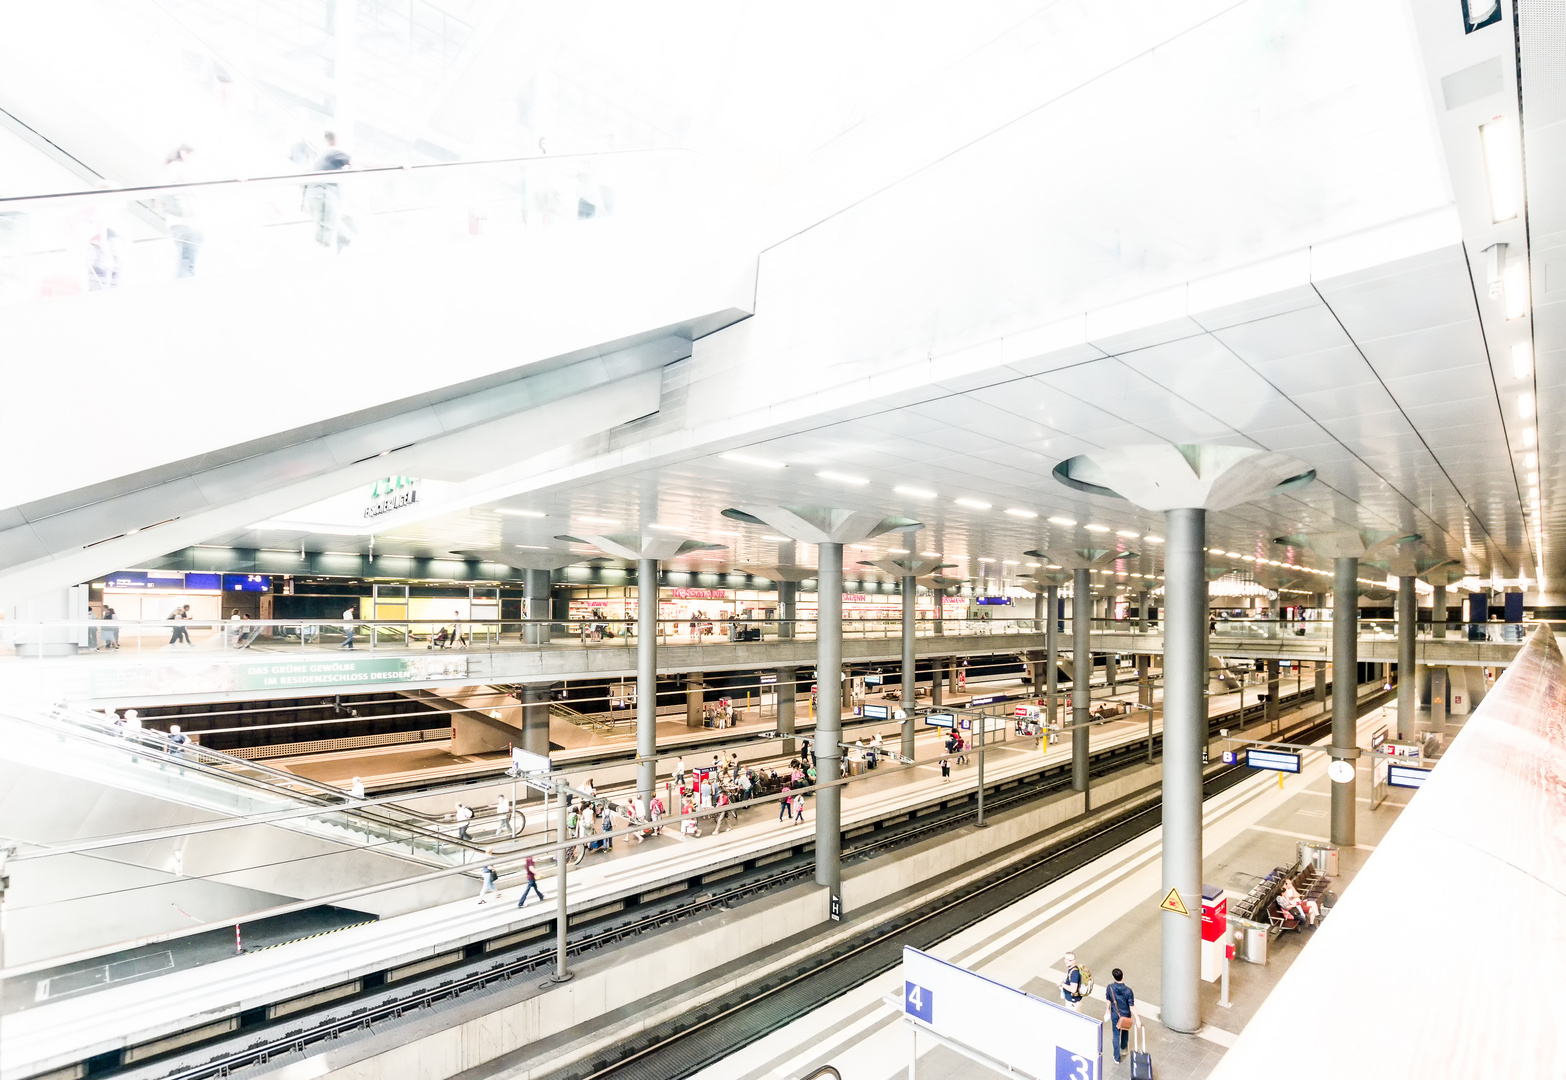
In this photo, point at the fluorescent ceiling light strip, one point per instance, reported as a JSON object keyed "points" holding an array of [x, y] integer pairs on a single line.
{"points": [[1130, 533], [778, 539], [1061, 521], [842, 478], [1503, 167], [1096, 528], [1522, 359], [1154, 539], [523, 513], [1525, 406], [915, 493], [1015, 512], [972, 504], [930, 554]]}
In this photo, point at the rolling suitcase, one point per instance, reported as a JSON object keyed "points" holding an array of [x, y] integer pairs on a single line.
{"points": [[1141, 1060]]}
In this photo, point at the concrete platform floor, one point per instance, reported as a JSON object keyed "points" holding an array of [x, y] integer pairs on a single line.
{"points": [[1107, 913]]}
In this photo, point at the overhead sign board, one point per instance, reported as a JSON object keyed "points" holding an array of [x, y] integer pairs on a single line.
{"points": [[876, 712], [525, 761], [769, 678], [1029, 1035], [1406, 776], [940, 720], [987, 699], [1276, 760]]}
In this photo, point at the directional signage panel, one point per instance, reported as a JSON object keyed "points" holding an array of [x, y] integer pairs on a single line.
{"points": [[940, 720], [987, 699], [1406, 776], [1029, 1034], [876, 712], [1276, 760]]}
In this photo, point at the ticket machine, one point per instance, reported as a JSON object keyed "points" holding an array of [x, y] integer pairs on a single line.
{"points": [[1215, 931]]}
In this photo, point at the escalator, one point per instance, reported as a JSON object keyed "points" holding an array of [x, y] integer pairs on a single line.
{"points": [[103, 799]]}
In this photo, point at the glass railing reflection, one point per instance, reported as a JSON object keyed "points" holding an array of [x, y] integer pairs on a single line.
{"points": [[108, 239]]}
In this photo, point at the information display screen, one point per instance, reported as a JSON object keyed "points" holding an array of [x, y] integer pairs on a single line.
{"points": [[987, 699], [1406, 776], [876, 712], [940, 720], [1276, 760], [247, 583]]}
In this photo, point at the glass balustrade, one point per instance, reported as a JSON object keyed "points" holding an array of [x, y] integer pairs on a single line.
{"points": [[190, 773], [278, 227]]}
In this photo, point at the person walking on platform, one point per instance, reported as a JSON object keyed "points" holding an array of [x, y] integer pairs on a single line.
{"points": [[503, 815], [348, 628], [532, 883], [489, 877], [946, 770], [1121, 1015], [679, 772], [464, 814], [799, 808], [786, 806], [1074, 987], [178, 633], [606, 825]]}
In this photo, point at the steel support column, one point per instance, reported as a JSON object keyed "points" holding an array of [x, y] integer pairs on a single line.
{"points": [[786, 687], [910, 627], [1052, 653], [1345, 690], [1081, 676], [1438, 612], [536, 584], [646, 680], [829, 724], [1407, 681], [788, 591], [1185, 734]]}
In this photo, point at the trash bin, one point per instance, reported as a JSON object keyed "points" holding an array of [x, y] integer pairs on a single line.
{"points": [[1324, 857], [1250, 940]]}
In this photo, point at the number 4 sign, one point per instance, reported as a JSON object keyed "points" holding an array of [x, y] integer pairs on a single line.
{"points": [[917, 1001]]}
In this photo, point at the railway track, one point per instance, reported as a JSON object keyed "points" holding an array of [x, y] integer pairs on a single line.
{"points": [[529, 953]]}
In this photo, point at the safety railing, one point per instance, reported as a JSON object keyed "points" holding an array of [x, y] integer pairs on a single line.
{"points": [[437, 638], [112, 238]]}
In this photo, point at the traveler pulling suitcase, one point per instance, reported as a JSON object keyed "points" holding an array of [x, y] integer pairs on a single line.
{"points": [[1141, 1060]]}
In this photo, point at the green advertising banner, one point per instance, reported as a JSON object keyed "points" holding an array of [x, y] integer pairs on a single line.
{"points": [[345, 672]]}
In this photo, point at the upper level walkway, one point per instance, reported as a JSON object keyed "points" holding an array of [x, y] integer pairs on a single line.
{"points": [[126, 663]]}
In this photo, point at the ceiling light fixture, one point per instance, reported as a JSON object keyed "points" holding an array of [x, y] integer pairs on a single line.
{"points": [[523, 513], [532, 547], [1154, 539], [778, 539], [929, 554], [842, 478], [1061, 521], [1525, 406], [1503, 167], [1096, 528], [897, 551], [1522, 359], [1014, 512], [1531, 460], [972, 504], [1034, 565], [755, 462], [1517, 300], [1129, 533], [915, 493], [1530, 436]]}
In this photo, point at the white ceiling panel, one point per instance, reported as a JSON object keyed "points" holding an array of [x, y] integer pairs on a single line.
{"points": [[1313, 372], [1419, 352], [1306, 330]]}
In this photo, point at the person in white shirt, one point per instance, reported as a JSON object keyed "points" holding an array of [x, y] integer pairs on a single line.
{"points": [[503, 814], [356, 788], [463, 815], [348, 628]]}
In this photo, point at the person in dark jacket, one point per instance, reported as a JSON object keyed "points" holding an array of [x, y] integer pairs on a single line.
{"points": [[1122, 1003]]}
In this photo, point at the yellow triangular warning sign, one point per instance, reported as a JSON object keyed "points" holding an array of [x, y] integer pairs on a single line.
{"points": [[1172, 902]]}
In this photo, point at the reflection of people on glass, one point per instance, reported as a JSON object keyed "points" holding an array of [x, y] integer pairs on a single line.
{"points": [[179, 212], [333, 228]]}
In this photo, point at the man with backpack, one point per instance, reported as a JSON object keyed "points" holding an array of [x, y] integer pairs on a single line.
{"points": [[1077, 984]]}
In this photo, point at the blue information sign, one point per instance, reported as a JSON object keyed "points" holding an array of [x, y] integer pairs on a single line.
{"points": [[1276, 760]]}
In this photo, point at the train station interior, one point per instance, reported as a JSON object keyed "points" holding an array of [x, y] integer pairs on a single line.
{"points": [[774, 542]]}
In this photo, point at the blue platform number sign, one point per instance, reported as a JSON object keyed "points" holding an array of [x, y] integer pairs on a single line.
{"points": [[918, 1002], [1069, 1066]]}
